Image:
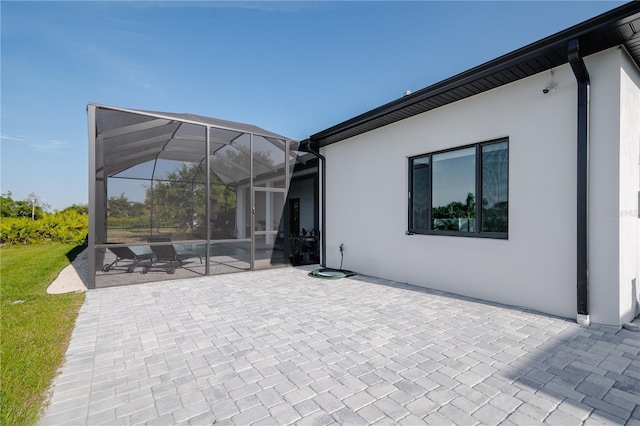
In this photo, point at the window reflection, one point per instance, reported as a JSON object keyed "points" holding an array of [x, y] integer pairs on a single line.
{"points": [[454, 190], [495, 187], [420, 195], [464, 190]]}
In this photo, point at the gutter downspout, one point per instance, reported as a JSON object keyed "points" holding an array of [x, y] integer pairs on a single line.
{"points": [[582, 77], [323, 197]]}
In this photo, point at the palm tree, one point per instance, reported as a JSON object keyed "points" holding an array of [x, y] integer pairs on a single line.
{"points": [[470, 208]]}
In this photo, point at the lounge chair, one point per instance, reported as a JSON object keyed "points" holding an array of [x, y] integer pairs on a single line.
{"points": [[167, 254], [125, 253]]}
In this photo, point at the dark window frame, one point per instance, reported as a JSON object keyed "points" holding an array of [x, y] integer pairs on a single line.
{"points": [[478, 233]]}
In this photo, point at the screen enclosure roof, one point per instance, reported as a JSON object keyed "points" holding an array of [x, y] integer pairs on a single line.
{"points": [[129, 138]]}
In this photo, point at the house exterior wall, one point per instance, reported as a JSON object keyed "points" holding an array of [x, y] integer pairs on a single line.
{"points": [[614, 253], [367, 187], [629, 189], [604, 196]]}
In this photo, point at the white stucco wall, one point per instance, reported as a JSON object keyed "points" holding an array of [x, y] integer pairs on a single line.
{"points": [[604, 177], [367, 180], [614, 254], [629, 188]]}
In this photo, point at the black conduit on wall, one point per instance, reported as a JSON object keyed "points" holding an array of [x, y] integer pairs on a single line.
{"points": [[582, 77]]}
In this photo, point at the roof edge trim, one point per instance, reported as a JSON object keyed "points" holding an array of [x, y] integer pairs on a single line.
{"points": [[620, 15]]}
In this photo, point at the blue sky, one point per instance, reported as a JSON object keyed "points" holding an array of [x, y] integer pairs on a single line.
{"points": [[294, 68]]}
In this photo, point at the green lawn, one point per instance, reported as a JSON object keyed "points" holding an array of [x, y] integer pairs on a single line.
{"points": [[34, 333]]}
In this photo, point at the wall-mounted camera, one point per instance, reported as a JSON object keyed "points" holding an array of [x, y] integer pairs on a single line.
{"points": [[551, 86]]}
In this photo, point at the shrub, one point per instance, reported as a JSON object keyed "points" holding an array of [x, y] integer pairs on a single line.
{"points": [[65, 227], [78, 208]]}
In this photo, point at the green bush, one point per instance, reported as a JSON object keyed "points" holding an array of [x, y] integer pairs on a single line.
{"points": [[119, 222], [68, 227], [129, 222], [141, 222]]}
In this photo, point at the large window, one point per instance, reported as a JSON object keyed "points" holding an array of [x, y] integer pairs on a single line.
{"points": [[462, 191]]}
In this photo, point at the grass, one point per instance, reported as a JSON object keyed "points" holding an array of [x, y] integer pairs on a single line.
{"points": [[35, 333], [136, 235]]}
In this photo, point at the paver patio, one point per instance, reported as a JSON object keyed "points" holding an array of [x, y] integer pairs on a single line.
{"points": [[278, 347]]}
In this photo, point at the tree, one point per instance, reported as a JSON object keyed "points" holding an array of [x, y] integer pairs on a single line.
{"points": [[449, 216], [471, 209], [81, 209], [495, 218], [31, 207], [36, 201], [7, 205], [121, 207], [179, 201]]}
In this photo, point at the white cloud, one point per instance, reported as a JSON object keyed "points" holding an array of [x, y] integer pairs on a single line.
{"points": [[261, 5], [128, 68], [52, 146], [14, 138]]}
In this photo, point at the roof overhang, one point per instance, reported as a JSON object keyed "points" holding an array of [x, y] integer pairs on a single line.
{"points": [[620, 26]]}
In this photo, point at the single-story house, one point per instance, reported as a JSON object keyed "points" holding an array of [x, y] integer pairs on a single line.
{"points": [[517, 181]]}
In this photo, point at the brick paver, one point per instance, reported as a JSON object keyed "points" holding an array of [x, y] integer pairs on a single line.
{"points": [[278, 347]]}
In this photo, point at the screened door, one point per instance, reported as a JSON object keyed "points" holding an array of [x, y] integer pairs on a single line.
{"points": [[268, 228]]}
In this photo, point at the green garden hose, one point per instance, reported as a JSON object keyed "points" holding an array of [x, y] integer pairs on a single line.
{"points": [[331, 274]]}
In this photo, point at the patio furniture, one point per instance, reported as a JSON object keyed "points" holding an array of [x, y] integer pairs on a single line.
{"points": [[167, 254], [125, 253]]}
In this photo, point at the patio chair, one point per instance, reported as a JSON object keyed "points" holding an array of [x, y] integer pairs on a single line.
{"points": [[125, 253], [167, 254]]}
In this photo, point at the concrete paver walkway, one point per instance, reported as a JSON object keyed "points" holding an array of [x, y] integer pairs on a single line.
{"points": [[277, 347]]}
